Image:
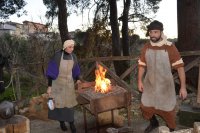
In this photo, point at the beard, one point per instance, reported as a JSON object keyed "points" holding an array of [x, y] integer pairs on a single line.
{"points": [[155, 39]]}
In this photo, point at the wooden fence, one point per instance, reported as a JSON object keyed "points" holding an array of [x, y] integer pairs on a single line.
{"points": [[119, 79], [133, 67]]}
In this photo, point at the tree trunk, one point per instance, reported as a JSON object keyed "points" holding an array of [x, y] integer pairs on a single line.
{"points": [[62, 20], [188, 24], [125, 35], [188, 13], [116, 47]]}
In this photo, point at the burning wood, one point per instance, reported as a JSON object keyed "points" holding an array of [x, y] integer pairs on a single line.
{"points": [[102, 84]]}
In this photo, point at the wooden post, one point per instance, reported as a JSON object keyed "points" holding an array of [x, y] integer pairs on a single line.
{"points": [[17, 82], [198, 93]]}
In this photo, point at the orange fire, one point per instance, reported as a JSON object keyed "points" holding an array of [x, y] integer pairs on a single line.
{"points": [[102, 84]]}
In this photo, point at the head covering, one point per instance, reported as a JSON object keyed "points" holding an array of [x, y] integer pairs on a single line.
{"points": [[155, 25], [68, 43]]}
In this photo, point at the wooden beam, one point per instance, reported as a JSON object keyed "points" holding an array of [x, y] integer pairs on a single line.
{"points": [[188, 66], [190, 53], [111, 58], [118, 80], [198, 93], [189, 87], [128, 71], [89, 71]]}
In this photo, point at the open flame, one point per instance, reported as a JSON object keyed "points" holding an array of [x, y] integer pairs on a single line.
{"points": [[102, 84]]}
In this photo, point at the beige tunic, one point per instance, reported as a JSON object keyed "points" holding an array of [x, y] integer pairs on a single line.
{"points": [[63, 90]]}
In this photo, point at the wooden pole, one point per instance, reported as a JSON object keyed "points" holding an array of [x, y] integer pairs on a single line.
{"points": [[17, 81], [198, 93]]}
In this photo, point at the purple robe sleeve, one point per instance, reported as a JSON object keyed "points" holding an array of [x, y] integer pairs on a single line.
{"points": [[52, 70], [76, 72]]}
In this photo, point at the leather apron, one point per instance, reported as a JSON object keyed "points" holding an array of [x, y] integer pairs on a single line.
{"points": [[63, 90], [159, 89]]}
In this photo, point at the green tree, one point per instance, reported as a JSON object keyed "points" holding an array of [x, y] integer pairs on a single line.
{"points": [[137, 11], [106, 10], [10, 7], [59, 8]]}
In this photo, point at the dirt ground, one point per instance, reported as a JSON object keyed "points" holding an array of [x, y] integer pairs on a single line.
{"points": [[50, 126], [138, 124]]}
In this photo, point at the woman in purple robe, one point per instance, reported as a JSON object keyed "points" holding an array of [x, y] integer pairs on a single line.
{"points": [[62, 71]]}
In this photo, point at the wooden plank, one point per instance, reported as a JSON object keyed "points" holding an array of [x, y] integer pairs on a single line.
{"points": [[115, 77], [118, 80], [128, 71], [89, 71], [111, 58], [189, 87], [85, 85], [190, 53], [188, 66], [198, 93]]}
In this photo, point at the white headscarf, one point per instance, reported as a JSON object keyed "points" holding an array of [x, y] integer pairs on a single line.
{"points": [[68, 43]]}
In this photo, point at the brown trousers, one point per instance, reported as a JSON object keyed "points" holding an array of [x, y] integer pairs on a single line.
{"points": [[168, 116]]}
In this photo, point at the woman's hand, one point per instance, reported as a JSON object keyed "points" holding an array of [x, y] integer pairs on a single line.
{"points": [[78, 81], [77, 84], [49, 90]]}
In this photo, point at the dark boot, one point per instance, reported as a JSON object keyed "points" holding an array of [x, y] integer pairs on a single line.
{"points": [[72, 127], [153, 124], [63, 126], [171, 130]]}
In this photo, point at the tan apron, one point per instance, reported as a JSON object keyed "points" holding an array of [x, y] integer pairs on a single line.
{"points": [[159, 89], [63, 90]]}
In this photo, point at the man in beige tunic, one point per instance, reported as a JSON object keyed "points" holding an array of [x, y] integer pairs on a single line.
{"points": [[158, 57]]}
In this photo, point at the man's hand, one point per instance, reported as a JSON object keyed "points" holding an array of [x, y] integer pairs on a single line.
{"points": [[140, 86], [183, 93], [141, 71]]}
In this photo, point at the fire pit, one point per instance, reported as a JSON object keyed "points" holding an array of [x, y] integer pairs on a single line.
{"points": [[102, 96], [96, 102]]}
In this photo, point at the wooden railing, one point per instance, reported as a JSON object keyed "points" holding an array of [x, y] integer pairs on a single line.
{"points": [[120, 79]]}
